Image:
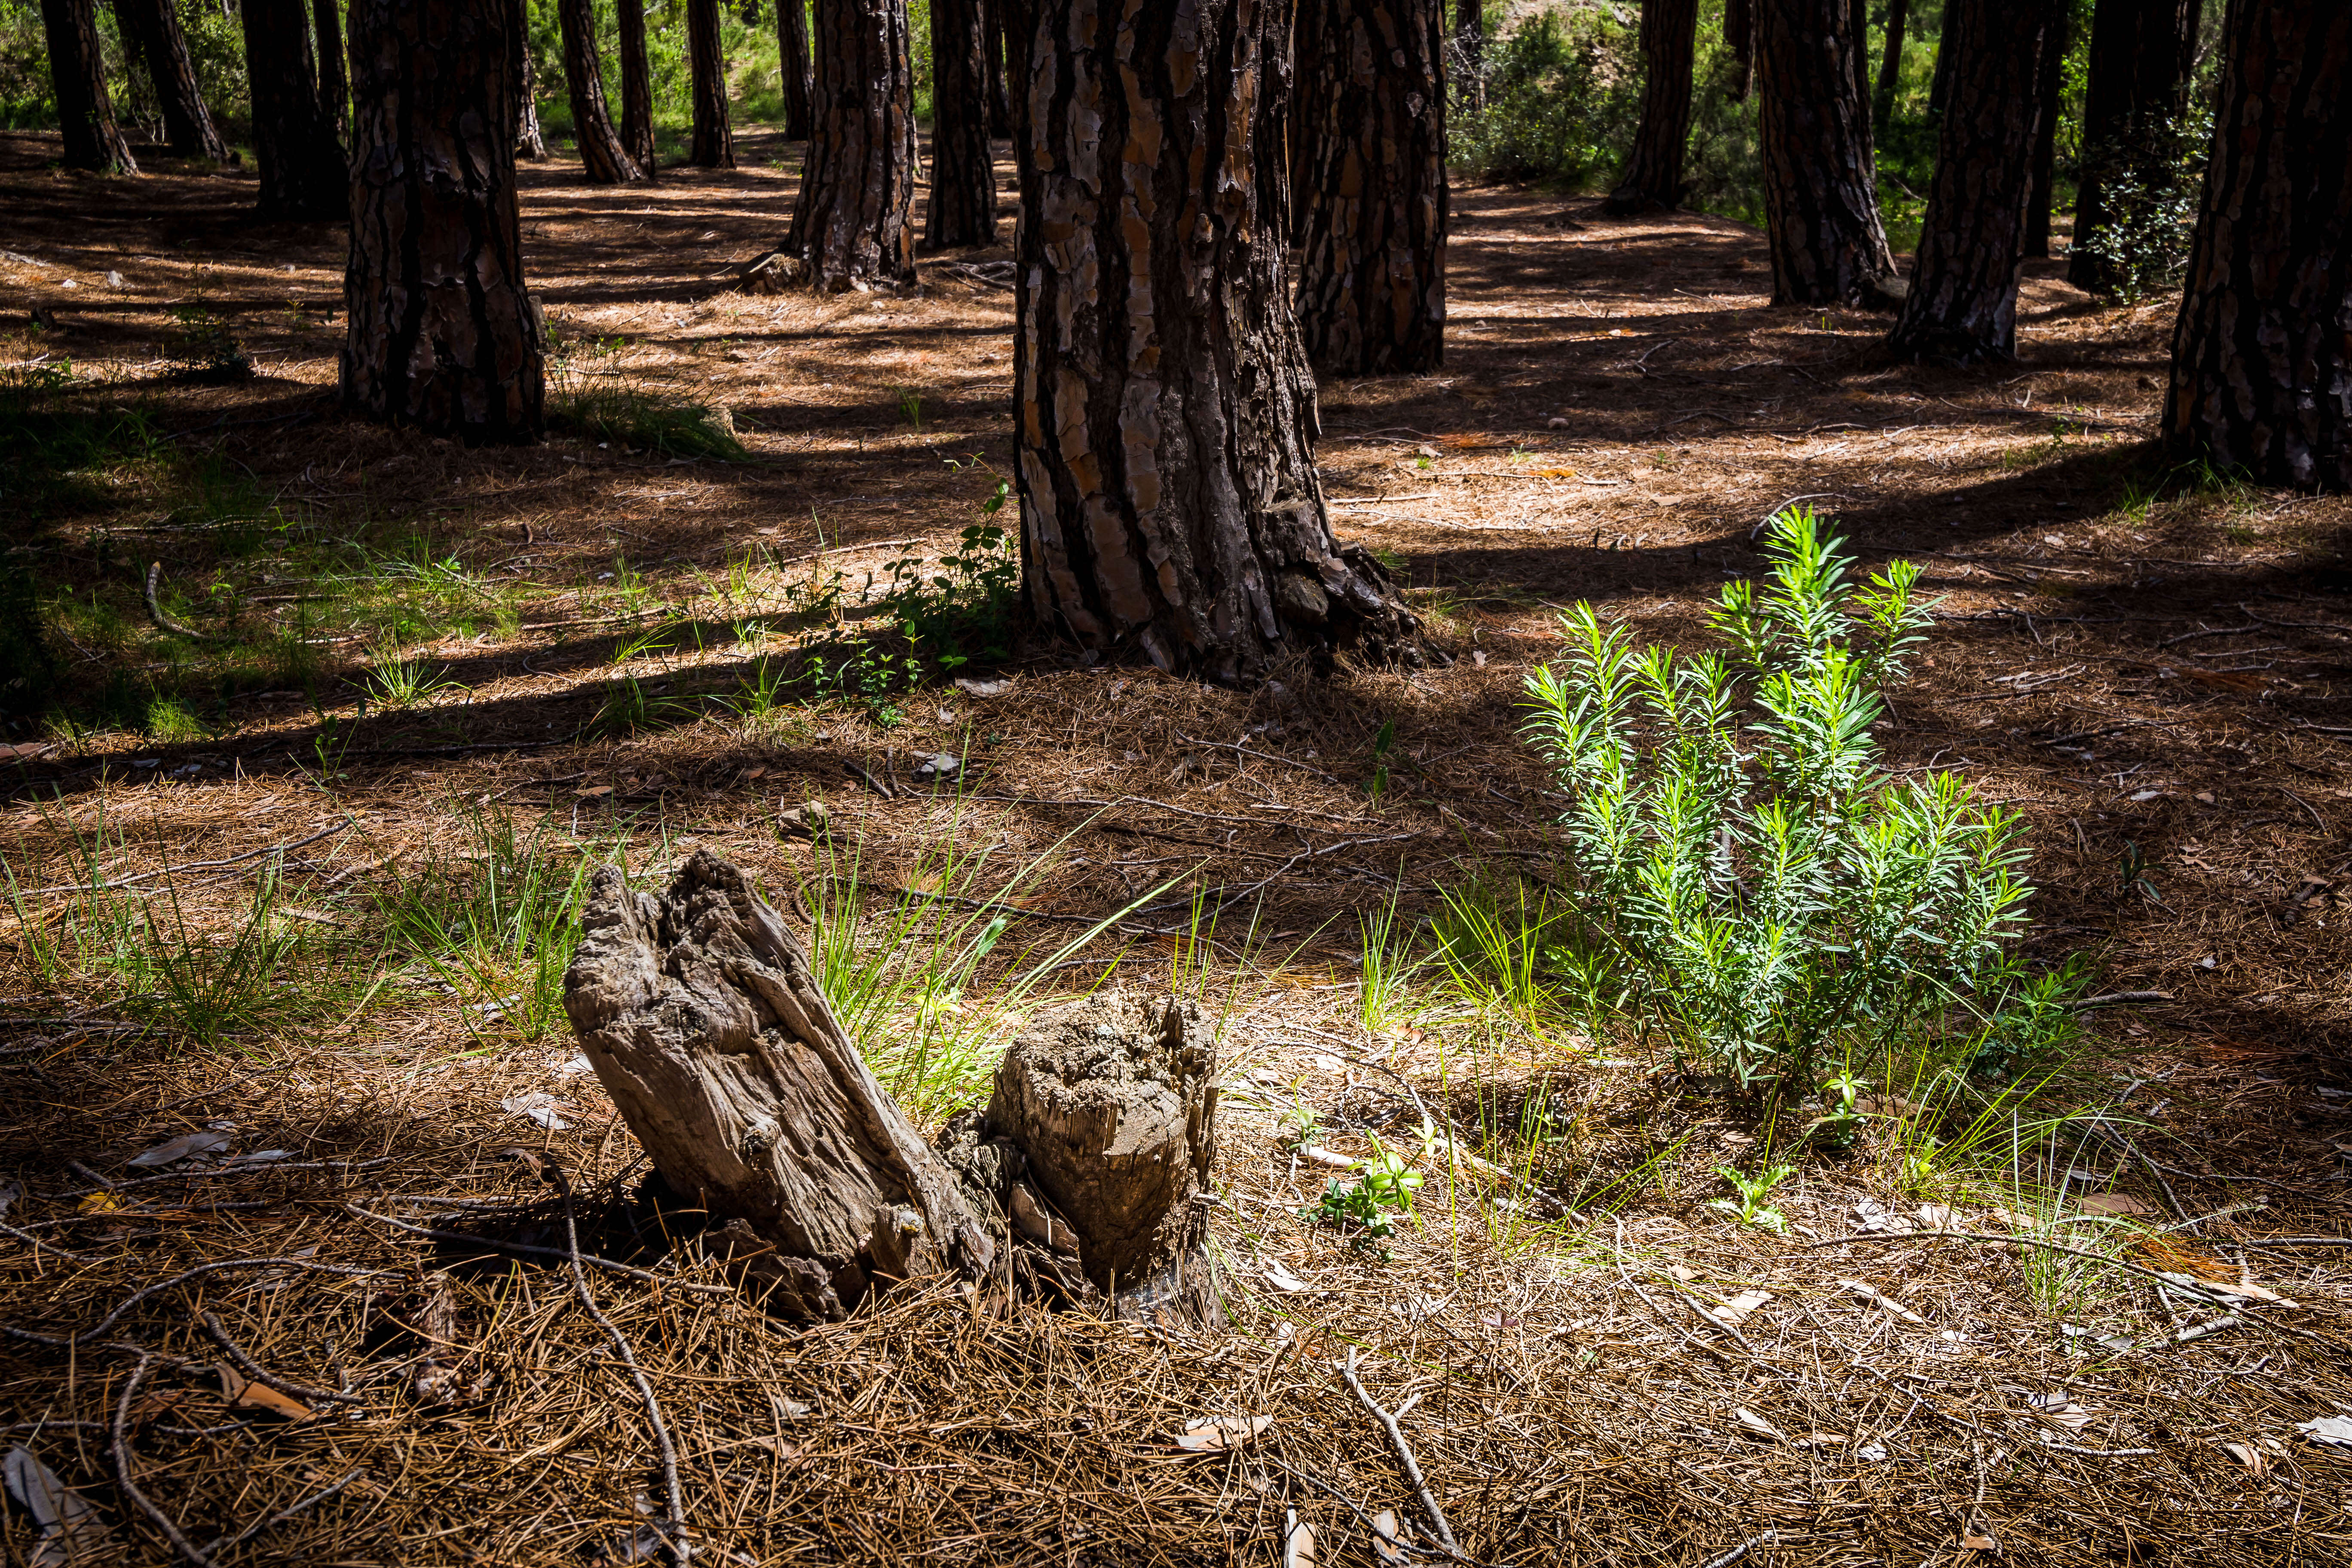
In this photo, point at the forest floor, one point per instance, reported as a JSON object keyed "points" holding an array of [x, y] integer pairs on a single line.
{"points": [[429, 668]]}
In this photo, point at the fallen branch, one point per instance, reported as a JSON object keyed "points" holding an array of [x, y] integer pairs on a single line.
{"points": [[194, 865], [119, 1448], [608, 1265], [155, 613], [2120, 999], [254, 1372], [1404, 1452]]}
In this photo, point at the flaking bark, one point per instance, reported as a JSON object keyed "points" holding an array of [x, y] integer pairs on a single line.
{"points": [[1372, 195], [2262, 355], [78, 77], [961, 210], [303, 172], [439, 330], [1820, 184], [1653, 170], [1165, 415], [334, 76], [162, 46], [792, 63], [636, 84], [714, 134], [602, 155], [851, 226]]}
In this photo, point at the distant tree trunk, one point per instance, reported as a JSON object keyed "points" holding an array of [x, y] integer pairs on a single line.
{"points": [[2261, 357], [1939, 84], [439, 332], [2141, 54], [1000, 108], [1739, 34], [637, 85], [1821, 187], [1890, 64], [793, 60], [1164, 411], [531, 141], [2048, 87], [1858, 61], [607, 162], [1654, 173], [851, 225], [1371, 274], [303, 174], [335, 79], [1962, 306], [962, 206], [1470, 50], [78, 76], [714, 137], [154, 27]]}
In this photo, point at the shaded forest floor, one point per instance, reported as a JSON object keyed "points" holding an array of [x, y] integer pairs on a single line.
{"points": [[431, 667]]}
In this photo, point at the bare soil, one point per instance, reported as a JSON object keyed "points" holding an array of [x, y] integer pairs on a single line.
{"points": [[2151, 669]]}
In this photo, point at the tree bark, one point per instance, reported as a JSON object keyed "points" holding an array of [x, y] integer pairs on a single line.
{"points": [[793, 60], [2261, 355], [714, 136], [440, 332], [2048, 88], [962, 206], [1739, 34], [702, 1015], [1000, 107], [1890, 63], [154, 27], [851, 225], [1654, 173], [531, 140], [2142, 52], [637, 85], [1820, 185], [1165, 415], [78, 76], [335, 79], [606, 161], [303, 174], [1372, 275], [1962, 306], [1470, 50]]}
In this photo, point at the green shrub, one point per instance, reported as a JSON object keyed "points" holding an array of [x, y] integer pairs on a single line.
{"points": [[1750, 877]]}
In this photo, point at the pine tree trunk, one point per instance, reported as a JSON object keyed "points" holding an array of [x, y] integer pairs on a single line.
{"points": [[1470, 51], [606, 161], [1890, 64], [335, 79], [439, 332], [303, 174], [714, 136], [188, 126], [1739, 34], [2048, 88], [531, 140], [1653, 173], [1000, 108], [1820, 185], [637, 85], [851, 223], [1962, 306], [1164, 411], [1939, 83], [2141, 54], [962, 206], [1371, 274], [78, 76], [2261, 356], [793, 60]]}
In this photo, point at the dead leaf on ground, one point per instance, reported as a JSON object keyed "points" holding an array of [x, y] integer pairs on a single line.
{"points": [[2246, 1454], [243, 1394], [1281, 1278], [2120, 1204], [1758, 1425], [1736, 1311], [184, 1147], [1216, 1433], [1297, 1543], [2060, 1410], [2336, 1431], [1388, 1538], [70, 1529], [1878, 1298]]}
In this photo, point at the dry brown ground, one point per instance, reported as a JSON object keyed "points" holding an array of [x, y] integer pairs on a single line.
{"points": [[1620, 407]]}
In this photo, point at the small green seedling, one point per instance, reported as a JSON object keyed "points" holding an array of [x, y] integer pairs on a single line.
{"points": [[1750, 1207], [1372, 1203]]}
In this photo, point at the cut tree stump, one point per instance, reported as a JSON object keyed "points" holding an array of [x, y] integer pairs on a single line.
{"points": [[701, 1014]]}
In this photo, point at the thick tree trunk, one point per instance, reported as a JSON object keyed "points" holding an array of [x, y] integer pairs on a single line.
{"points": [[531, 141], [2261, 357], [2049, 86], [303, 174], [1654, 173], [1372, 194], [78, 76], [637, 85], [2141, 54], [439, 332], [1739, 34], [962, 206], [1000, 107], [1962, 306], [154, 27], [714, 136], [851, 225], [793, 60], [607, 162], [1890, 63], [702, 1015], [1165, 415], [1820, 185], [335, 79]]}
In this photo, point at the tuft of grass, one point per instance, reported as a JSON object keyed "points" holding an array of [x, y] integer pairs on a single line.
{"points": [[592, 395], [406, 683]]}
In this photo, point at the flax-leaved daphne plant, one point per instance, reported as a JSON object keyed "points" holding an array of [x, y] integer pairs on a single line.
{"points": [[1753, 879]]}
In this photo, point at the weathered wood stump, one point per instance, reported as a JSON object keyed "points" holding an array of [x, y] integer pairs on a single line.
{"points": [[701, 1014]]}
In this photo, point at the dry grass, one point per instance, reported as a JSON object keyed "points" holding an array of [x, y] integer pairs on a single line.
{"points": [[1620, 407]]}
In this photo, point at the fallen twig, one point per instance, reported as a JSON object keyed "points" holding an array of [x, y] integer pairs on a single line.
{"points": [[259, 1373], [194, 865], [1404, 1452], [155, 613], [119, 1448], [2120, 999], [84, 1336], [608, 1265]]}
